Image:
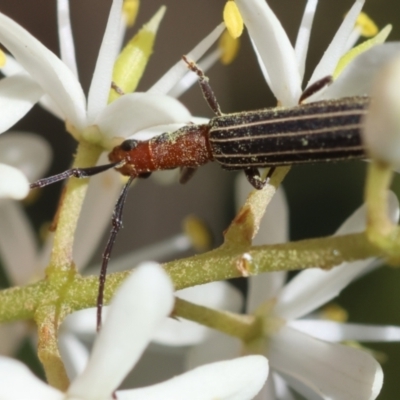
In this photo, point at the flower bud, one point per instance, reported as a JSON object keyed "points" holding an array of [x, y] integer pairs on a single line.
{"points": [[381, 133]]}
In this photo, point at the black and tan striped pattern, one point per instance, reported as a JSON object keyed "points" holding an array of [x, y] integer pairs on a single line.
{"points": [[315, 132]]}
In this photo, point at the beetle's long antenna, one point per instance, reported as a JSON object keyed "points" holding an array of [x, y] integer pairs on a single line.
{"points": [[76, 172], [116, 226]]}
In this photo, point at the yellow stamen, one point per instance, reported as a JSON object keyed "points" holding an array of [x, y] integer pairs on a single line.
{"points": [[233, 20], [198, 233], [229, 48], [333, 312], [3, 58], [131, 63], [130, 11], [356, 51], [366, 25]]}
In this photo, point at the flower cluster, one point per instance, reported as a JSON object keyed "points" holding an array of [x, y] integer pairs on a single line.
{"points": [[275, 340]]}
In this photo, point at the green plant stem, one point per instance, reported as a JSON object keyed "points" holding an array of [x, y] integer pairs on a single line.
{"points": [[70, 207], [244, 327], [220, 264]]}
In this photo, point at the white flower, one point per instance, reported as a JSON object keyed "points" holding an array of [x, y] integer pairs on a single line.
{"points": [[283, 65], [302, 349], [137, 309]]}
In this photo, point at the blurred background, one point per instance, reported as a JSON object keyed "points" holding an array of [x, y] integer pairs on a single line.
{"points": [[320, 196]]}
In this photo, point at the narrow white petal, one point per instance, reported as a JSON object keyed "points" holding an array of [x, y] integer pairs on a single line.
{"points": [[322, 370], [18, 94], [74, 353], [13, 183], [219, 295], [136, 311], [337, 332], [175, 73], [275, 49], [102, 76], [17, 382], [65, 38], [137, 111], [28, 152], [356, 79], [83, 322], [276, 388], [12, 67], [95, 218], [238, 379], [46, 69], [16, 233], [337, 47], [49, 105], [303, 37], [312, 288]]}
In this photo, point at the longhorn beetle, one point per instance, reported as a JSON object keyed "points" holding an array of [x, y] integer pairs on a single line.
{"points": [[322, 131]]}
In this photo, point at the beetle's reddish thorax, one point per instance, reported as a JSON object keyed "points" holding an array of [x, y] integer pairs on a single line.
{"points": [[187, 147]]}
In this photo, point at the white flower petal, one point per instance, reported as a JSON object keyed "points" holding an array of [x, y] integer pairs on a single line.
{"points": [[16, 233], [12, 67], [65, 38], [28, 152], [136, 311], [322, 370], [48, 104], [18, 94], [17, 382], [175, 73], [95, 218], [102, 76], [82, 322], [137, 111], [338, 332], [356, 79], [337, 47], [303, 37], [13, 183], [74, 353], [312, 288], [238, 379], [46, 69], [219, 295], [275, 49]]}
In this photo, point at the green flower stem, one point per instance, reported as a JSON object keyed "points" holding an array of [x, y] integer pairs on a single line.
{"points": [[378, 182], [70, 207], [244, 327], [220, 264], [48, 352]]}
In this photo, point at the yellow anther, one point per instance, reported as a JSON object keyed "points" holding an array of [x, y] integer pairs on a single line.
{"points": [[131, 63], [366, 25], [333, 312], [229, 48], [130, 11], [233, 20], [3, 58], [198, 233], [356, 51]]}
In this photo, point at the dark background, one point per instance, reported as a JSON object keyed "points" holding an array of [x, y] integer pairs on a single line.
{"points": [[320, 196]]}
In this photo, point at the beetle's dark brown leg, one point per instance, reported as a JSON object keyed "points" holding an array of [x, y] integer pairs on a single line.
{"points": [[186, 174], [315, 87], [208, 93], [116, 226], [254, 178]]}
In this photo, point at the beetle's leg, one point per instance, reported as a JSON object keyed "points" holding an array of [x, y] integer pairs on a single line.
{"points": [[76, 172], [254, 178], [208, 93], [186, 174], [315, 87], [116, 223]]}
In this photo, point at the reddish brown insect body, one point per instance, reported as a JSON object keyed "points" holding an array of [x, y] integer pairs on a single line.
{"points": [[187, 147]]}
